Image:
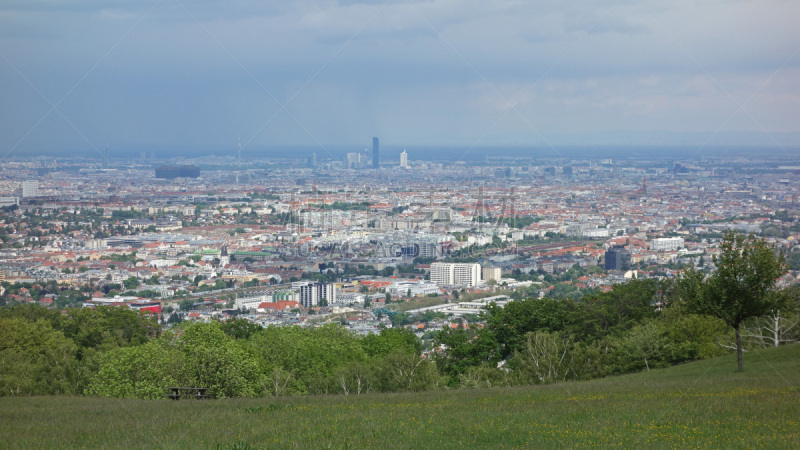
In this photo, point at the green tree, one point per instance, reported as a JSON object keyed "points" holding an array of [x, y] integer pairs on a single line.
{"points": [[698, 336], [509, 325], [186, 305], [399, 319], [240, 328], [743, 286], [131, 283], [299, 360], [389, 340], [214, 360], [35, 359], [544, 358], [617, 311], [464, 349], [403, 371], [357, 377], [645, 345], [31, 313], [104, 328], [137, 372]]}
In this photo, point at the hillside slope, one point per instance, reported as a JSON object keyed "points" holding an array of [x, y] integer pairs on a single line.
{"points": [[705, 403]]}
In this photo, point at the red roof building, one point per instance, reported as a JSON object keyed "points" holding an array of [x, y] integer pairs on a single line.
{"points": [[281, 305]]}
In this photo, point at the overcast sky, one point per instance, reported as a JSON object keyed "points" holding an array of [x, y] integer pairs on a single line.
{"points": [[82, 74]]}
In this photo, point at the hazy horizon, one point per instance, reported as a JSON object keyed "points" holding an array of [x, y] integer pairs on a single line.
{"points": [[390, 154], [145, 75]]}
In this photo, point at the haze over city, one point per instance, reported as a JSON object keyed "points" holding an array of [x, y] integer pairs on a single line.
{"points": [[399, 224], [133, 76]]}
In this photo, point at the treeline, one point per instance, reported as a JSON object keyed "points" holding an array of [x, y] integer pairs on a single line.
{"points": [[45, 352], [636, 326], [639, 325], [121, 353]]}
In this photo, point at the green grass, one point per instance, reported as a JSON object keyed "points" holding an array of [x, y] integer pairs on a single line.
{"points": [[703, 404]]}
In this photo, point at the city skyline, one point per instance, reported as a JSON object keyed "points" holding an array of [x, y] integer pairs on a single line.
{"points": [[153, 75]]}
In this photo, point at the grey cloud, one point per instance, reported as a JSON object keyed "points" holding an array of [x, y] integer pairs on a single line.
{"points": [[418, 71]]}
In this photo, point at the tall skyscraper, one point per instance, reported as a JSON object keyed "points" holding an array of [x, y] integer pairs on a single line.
{"points": [[376, 159], [404, 160]]}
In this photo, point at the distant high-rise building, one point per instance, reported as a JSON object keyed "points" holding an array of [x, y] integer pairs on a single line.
{"points": [[311, 294], [239, 157], [617, 258], [30, 188], [376, 159], [353, 160], [567, 171], [463, 274], [491, 273], [177, 172], [312, 160], [404, 160]]}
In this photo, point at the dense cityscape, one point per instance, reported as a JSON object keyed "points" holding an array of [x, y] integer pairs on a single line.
{"points": [[370, 242], [418, 224]]}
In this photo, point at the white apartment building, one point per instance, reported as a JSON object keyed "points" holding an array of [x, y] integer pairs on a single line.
{"points": [[463, 274], [492, 273], [666, 244], [312, 293], [30, 188]]}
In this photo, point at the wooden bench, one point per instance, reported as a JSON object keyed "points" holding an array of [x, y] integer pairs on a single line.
{"points": [[177, 393]]}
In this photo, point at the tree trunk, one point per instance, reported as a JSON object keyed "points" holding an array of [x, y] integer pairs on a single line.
{"points": [[738, 347]]}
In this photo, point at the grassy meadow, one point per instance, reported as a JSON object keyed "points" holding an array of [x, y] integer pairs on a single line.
{"points": [[702, 404]]}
